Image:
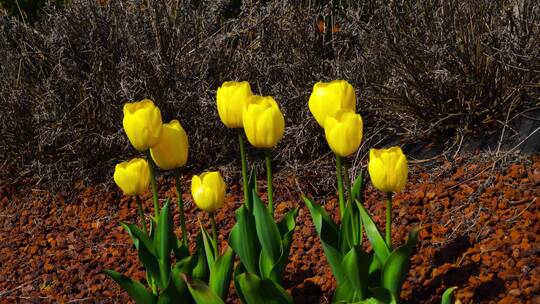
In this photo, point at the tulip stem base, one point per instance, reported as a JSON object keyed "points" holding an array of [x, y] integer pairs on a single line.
{"points": [[269, 182], [389, 220], [244, 170], [141, 214], [214, 229], [152, 166], [341, 196], [177, 176]]}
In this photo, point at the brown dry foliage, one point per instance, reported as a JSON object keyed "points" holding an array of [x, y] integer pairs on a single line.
{"points": [[418, 67]]}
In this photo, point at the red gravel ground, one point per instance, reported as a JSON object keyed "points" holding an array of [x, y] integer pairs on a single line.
{"points": [[481, 233]]}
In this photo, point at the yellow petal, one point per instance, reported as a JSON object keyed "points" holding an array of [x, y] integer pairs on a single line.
{"points": [[171, 151], [231, 99]]}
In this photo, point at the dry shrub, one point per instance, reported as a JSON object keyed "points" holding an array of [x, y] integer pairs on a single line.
{"points": [[63, 82]]}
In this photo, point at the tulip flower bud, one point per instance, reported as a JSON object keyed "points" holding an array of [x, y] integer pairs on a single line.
{"points": [[264, 123], [133, 176], [231, 99], [328, 98], [388, 169], [208, 191], [142, 124], [344, 132], [171, 150]]}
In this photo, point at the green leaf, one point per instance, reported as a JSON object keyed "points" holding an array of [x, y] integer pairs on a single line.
{"points": [[262, 291], [220, 273], [326, 228], [347, 230], [286, 229], [267, 230], [145, 250], [329, 235], [374, 272], [163, 243], [358, 187], [184, 266], [169, 295], [244, 241], [345, 293], [201, 293], [395, 269], [448, 296], [377, 241], [135, 290], [180, 250], [288, 222], [252, 186], [200, 268], [209, 247], [238, 270], [356, 262]]}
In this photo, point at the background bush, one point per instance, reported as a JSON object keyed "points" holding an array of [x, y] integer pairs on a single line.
{"points": [[423, 69]]}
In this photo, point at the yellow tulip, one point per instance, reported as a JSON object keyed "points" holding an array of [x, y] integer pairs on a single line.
{"points": [[133, 176], [208, 191], [388, 169], [142, 124], [231, 99], [264, 123], [328, 98], [172, 149], [344, 132]]}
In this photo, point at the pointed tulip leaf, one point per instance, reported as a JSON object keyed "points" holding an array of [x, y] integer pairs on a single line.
{"points": [[448, 296], [145, 250], [286, 229], [356, 262], [326, 228], [288, 222], [358, 187], [374, 272], [267, 230], [377, 242], [201, 293], [252, 186], [220, 273], [238, 270], [135, 290], [257, 290], [395, 269], [345, 293], [200, 268], [184, 266], [244, 241], [209, 247], [163, 243], [169, 295]]}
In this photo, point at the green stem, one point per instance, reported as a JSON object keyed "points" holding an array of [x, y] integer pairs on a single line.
{"points": [[389, 220], [214, 231], [152, 165], [244, 170], [269, 183], [181, 206], [347, 181], [141, 214], [339, 175]]}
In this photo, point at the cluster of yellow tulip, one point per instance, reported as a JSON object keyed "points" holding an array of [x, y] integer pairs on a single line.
{"points": [[261, 244]]}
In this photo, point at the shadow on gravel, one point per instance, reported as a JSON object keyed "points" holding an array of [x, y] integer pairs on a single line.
{"points": [[452, 251], [455, 276], [489, 290]]}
